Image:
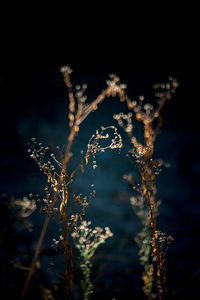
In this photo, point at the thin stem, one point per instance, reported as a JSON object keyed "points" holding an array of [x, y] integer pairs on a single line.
{"points": [[74, 126], [35, 258], [47, 220]]}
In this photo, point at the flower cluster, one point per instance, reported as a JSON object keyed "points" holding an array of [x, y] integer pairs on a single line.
{"points": [[87, 240], [38, 152], [96, 142], [66, 69], [115, 87], [26, 206], [125, 121]]}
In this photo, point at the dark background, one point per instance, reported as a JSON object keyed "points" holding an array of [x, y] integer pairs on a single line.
{"points": [[143, 44]]}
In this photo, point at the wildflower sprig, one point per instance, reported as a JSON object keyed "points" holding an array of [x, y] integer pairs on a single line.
{"points": [[145, 203], [25, 205], [96, 142], [87, 240], [115, 86], [79, 109], [60, 196], [59, 179]]}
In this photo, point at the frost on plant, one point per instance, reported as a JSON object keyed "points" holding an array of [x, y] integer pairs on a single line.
{"points": [[87, 240]]}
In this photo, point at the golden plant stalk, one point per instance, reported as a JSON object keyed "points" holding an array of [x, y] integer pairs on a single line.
{"points": [[78, 112], [143, 154]]}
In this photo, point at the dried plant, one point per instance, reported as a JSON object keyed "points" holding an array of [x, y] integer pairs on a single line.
{"points": [[151, 243], [59, 179], [87, 241], [25, 206], [62, 202], [143, 240]]}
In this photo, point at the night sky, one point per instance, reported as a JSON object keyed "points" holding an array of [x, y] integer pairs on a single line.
{"points": [[142, 44]]}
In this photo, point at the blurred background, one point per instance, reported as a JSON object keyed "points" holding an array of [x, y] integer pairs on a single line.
{"points": [[143, 44]]}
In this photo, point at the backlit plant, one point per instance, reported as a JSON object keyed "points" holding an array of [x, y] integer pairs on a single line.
{"points": [[59, 179], [87, 240], [62, 202], [152, 242]]}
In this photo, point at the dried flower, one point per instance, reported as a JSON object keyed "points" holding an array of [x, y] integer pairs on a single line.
{"points": [[66, 69], [26, 206], [95, 142]]}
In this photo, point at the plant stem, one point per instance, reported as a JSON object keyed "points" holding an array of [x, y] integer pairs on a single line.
{"points": [[47, 219], [79, 118], [35, 258]]}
